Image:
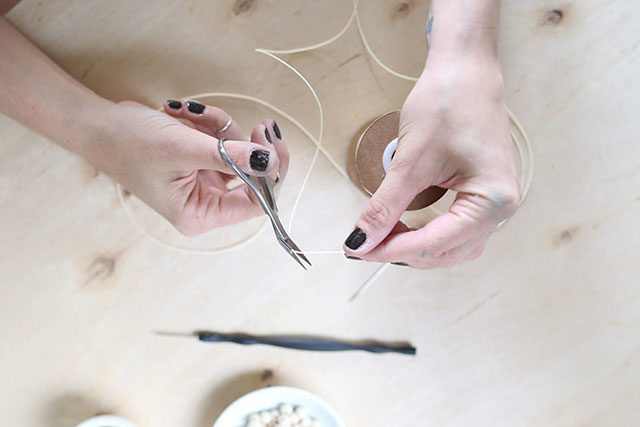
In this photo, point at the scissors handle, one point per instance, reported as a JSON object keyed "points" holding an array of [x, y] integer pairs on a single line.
{"points": [[256, 184], [262, 187]]}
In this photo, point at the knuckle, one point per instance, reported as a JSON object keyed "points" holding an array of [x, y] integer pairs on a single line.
{"points": [[476, 253], [215, 111], [217, 117], [423, 265], [255, 210], [385, 254], [447, 260], [507, 200], [402, 166], [185, 227], [377, 213], [426, 253], [187, 231]]}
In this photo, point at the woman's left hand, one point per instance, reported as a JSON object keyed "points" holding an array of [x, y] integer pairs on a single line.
{"points": [[454, 133]]}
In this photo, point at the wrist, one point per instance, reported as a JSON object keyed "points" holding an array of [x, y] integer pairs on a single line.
{"points": [[465, 29], [92, 126], [464, 73]]}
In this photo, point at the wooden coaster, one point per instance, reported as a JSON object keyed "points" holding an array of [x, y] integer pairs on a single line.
{"points": [[368, 172]]}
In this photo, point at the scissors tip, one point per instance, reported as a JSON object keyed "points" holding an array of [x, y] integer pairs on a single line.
{"points": [[296, 253], [302, 256], [298, 261]]}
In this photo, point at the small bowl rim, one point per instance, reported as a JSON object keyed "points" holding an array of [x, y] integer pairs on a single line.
{"points": [[270, 389]]}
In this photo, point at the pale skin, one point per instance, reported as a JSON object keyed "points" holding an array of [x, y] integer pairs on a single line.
{"points": [[454, 133], [459, 140], [175, 169]]}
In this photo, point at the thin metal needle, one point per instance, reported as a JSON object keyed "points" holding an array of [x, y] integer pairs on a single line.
{"points": [[370, 281], [175, 334]]}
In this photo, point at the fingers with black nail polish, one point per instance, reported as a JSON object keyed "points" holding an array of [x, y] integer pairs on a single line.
{"points": [[401, 264], [195, 107], [276, 130], [266, 135], [173, 104], [259, 160], [356, 239]]}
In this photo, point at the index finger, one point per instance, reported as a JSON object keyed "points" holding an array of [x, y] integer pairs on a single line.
{"points": [[211, 120]]}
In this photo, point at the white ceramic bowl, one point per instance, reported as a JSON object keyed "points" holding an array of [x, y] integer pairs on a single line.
{"points": [[235, 415]]}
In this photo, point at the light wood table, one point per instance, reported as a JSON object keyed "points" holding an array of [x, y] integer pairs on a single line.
{"points": [[543, 330]]}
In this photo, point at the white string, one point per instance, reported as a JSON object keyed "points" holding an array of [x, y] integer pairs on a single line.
{"points": [[316, 152], [320, 134], [525, 185], [317, 45], [521, 144], [233, 246], [370, 281], [365, 43], [174, 247]]}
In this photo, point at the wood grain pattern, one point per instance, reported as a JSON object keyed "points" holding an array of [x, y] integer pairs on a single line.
{"points": [[541, 331]]}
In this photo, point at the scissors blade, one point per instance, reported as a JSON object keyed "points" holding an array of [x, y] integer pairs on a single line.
{"points": [[286, 242], [296, 250], [293, 254]]}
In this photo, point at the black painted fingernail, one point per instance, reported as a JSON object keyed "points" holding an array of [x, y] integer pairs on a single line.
{"points": [[266, 134], [195, 107], [176, 105], [259, 160], [400, 263], [355, 239], [355, 258], [276, 129]]}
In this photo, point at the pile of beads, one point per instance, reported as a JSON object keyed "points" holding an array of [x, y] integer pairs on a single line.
{"points": [[285, 415]]}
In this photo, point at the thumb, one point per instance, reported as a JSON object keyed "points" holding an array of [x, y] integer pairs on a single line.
{"points": [[382, 212], [201, 152]]}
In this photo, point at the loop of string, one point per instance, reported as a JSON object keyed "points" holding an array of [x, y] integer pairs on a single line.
{"points": [[521, 143]]}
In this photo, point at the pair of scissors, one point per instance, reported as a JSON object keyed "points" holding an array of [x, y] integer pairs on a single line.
{"points": [[263, 187]]}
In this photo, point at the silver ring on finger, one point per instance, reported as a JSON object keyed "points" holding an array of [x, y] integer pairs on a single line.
{"points": [[226, 126]]}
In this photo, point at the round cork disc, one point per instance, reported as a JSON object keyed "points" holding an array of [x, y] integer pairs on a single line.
{"points": [[369, 172]]}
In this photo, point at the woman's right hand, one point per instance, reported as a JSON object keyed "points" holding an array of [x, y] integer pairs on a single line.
{"points": [[177, 170]]}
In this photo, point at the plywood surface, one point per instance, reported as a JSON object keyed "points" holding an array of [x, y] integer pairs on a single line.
{"points": [[541, 331]]}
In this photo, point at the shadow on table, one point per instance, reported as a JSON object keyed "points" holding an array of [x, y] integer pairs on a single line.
{"points": [[69, 410], [231, 389]]}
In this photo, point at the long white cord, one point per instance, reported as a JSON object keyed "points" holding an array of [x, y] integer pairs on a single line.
{"points": [[523, 145]]}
